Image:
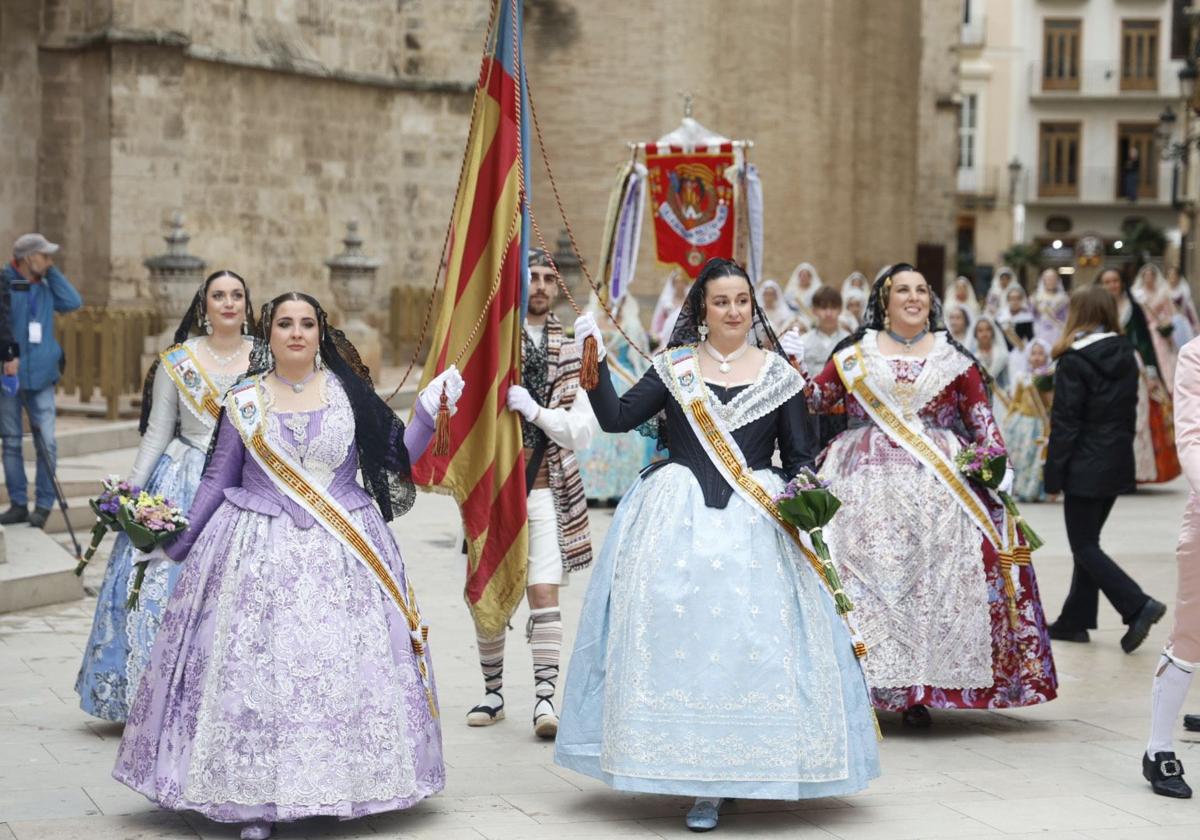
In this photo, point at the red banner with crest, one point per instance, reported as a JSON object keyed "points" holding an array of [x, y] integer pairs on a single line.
{"points": [[693, 204]]}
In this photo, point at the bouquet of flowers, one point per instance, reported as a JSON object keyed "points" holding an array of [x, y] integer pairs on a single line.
{"points": [[987, 465], [148, 521], [807, 504], [107, 506]]}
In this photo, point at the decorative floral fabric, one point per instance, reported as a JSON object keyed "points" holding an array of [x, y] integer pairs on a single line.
{"points": [[928, 595], [283, 684]]}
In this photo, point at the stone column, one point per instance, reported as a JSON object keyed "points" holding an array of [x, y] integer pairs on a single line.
{"points": [[175, 276], [352, 280]]}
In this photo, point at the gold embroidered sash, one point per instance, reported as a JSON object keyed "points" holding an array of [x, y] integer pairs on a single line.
{"points": [[193, 383], [725, 454], [852, 369], [244, 408]]}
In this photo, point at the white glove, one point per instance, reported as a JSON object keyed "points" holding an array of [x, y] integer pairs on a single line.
{"points": [[585, 325], [1007, 483], [792, 344], [431, 395], [521, 401]]}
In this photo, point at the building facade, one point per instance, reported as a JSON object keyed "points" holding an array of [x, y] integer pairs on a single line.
{"points": [[1059, 133], [271, 123]]}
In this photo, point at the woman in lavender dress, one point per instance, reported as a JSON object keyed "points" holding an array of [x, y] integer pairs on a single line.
{"points": [[290, 677]]}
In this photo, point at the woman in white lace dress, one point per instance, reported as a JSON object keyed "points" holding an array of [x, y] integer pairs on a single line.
{"points": [[180, 403]]}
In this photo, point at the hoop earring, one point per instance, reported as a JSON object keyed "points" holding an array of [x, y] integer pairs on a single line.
{"points": [[703, 330]]}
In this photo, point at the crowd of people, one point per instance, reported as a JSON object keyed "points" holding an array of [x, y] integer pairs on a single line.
{"points": [[715, 655]]}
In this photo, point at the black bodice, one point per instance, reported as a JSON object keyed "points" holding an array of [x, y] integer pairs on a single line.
{"points": [[789, 427]]}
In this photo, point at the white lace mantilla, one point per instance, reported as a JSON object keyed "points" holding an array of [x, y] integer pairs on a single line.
{"points": [[776, 383], [942, 366]]}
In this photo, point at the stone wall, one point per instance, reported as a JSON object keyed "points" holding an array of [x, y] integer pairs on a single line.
{"points": [[827, 89], [20, 118], [270, 123], [937, 127]]}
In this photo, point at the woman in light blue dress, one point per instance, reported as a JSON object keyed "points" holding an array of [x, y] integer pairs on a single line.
{"points": [[1026, 426], [177, 424], [710, 660], [610, 466]]}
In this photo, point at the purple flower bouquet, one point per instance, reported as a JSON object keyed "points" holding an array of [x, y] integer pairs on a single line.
{"points": [[107, 506], [986, 465], [807, 504], [148, 521]]}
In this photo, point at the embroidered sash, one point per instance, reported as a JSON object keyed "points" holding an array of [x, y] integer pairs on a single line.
{"points": [[244, 408], [852, 368], [718, 443], [197, 390]]}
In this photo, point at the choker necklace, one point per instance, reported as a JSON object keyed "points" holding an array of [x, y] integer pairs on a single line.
{"points": [[297, 387], [725, 360], [907, 342]]}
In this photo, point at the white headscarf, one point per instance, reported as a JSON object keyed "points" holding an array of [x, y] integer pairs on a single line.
{"points": [[954, 305], [800, 298], [848, 319], [995, 296], [995, 362], [1006, 315], [855, 281], [780, 315], [1146, 296], [971, 303], [1018, 362]]}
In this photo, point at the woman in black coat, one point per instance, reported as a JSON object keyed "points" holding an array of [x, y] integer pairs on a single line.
{"points": [[1090, 461]]}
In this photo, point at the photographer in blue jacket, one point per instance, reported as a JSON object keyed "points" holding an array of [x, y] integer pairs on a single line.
{"points": [[35, 290]]}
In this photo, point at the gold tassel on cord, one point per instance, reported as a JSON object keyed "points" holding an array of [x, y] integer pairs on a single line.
{"points": [[589, 368], [441, 427]]}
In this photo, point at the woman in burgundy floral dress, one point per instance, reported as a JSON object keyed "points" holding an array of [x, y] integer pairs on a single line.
{"points": [[919, 548]]}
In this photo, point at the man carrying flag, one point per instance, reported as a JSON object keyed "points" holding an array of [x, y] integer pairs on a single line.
{"points": [[554, 425]]}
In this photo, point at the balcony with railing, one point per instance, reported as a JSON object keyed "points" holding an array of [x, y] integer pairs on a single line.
{"points": [[1065, 79], [983, 186], [1103, 185]]}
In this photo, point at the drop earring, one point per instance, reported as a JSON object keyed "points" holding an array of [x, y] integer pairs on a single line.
{"points": [[887, 322], [703, 330], [208, 328]]}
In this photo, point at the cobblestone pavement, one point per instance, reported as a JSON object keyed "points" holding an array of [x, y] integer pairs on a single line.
{"points": [[1069, 769]]}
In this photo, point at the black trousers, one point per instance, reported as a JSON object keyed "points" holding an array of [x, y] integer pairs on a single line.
{"points": [[1094, 571]]}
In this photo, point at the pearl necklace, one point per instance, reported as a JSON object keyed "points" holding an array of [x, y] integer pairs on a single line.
{"points": [[223, 361], [725, 360], [907, 342], [296, 387]]}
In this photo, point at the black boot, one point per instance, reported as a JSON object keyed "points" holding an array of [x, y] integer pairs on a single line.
{"points": [[1139, 628], [1165, 775], [1191, 723], [1063, 634]]}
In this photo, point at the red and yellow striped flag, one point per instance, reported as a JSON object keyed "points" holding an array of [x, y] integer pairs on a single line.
{"points": [[480, 319]]}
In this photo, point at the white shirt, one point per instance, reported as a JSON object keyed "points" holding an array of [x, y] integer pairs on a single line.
{"points": [[818, 346], [571, 428]]}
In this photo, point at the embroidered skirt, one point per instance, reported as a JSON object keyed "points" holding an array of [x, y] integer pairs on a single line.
{"points": [[710, 660], [283, 683], [927, 589], [120, 642]]}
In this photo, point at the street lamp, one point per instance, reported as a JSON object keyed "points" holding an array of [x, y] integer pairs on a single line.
{"points": [[1014, 175], [1018, 210], [1187, 83]]}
